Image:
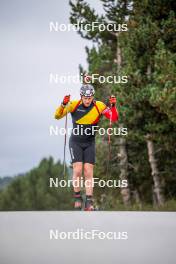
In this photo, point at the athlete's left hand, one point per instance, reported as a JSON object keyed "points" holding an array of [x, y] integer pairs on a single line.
{"points": [[112, 100]]}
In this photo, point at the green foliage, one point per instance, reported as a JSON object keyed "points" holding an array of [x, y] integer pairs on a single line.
{"points": [[32, 192], [163, 88], [147, 103], [4, 182]]}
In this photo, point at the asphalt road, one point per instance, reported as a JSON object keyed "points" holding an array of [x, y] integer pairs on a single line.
{"points": [[104, 237]]}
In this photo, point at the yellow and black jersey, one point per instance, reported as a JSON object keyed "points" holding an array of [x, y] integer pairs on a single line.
{"points": [[81, 114], [84, 118]]}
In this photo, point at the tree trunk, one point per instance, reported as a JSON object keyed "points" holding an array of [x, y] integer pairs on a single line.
{"points": [[137, 198], [158, 196], [125, 192], [123, 164]]}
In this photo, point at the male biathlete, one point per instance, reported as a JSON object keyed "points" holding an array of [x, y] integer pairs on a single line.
{"points": [[85, 114]]}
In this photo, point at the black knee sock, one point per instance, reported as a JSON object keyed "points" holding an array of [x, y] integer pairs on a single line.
{"points": [[77, 194], [88, 197]]}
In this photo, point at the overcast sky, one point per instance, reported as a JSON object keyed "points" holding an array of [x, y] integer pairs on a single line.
{"points": [[29, 52]]}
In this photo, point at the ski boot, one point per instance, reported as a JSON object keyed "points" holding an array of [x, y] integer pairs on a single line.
{"points": [[78, 202], [89, 205]]}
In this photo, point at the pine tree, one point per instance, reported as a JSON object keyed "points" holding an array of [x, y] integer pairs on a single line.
{"points": [[146, 54]]}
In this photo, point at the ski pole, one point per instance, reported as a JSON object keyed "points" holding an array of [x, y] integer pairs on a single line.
{"points": [[109, 146], [65, 142], [109, 158]]}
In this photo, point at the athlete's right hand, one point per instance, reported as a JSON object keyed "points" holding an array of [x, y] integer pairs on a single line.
{"points": [[66, 99]]}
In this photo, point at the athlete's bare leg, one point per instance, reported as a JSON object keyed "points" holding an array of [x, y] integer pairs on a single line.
{"points": [[88, 174], [77, 173]]}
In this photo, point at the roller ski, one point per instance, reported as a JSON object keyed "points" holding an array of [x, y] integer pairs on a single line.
{"points": [[89, 205]]}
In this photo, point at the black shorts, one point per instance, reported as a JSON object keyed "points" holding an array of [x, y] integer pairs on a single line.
{"points": [[82, 151]]}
